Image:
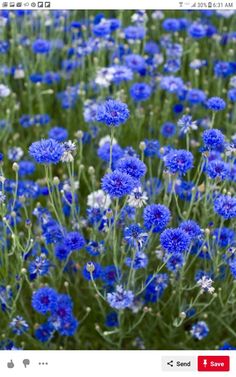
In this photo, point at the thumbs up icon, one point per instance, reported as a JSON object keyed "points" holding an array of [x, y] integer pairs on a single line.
{"points": [[10, 364]]}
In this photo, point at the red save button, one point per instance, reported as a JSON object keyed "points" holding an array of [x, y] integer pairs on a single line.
{"points": [[213, 363]]}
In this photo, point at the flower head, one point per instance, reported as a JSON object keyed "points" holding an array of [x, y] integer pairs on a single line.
{"points": [[199, 330], [179, 161], [216, 104], [18, 325], [120, 298], [225, 206], [156, 217], [74, 241], [175, 240], [205, 283], [140, 92], [112, 113], [118, 184], [98, 199], [47, 151], [44, 300], [132, 166], [213, 139], [138, 198]]}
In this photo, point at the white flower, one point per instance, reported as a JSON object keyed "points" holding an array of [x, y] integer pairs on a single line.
{"points": [[206, 284], [230, 150], [104, 77], [69, 147], [4, 91], [2, 179], [157, 15], [106, 139], [15, 153], [225, 13], [2, 197], [232, 82], [67, 157], [159, 254], [19, 73], [98, 199], [137, 198]]}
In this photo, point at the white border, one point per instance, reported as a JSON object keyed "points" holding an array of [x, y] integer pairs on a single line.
{"points": [[125, 5]]}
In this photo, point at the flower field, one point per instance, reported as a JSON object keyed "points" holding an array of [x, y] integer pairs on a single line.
{"points": [[117, 180]]}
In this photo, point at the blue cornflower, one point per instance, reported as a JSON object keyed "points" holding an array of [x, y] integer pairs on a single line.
{"points": [[199, 330], [63, 309], [232, 266], [175, 240], [112, 113], [74, 241], [68, 327], [216, 104], [120, 298], [52, 232], [110, 275], [213, 139], [102, 29], [18, 325], [172, 65], [168, 129], [172, 84], [134, 32], [132, 166], [232, 95], [41, 46], [171, 24], [47, 151], [156, 217], [26, 168], [44, 300], [224, 69], [135, 62], [58, 133], [197, 30], [135, 236], [178, 161], [224, 237], [155, 287], [139, 261], [151, 148], [174, 262], [51, 78], [191, 228], [140, 92], [91, 270], [227, 346], [225, 206], [118, 184], [39, 267], [196, 96], [151, 48], [44, 332], [95, 248], [112, 320], [62, 251], [121, 73], [218, 169], [4, 47]]}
